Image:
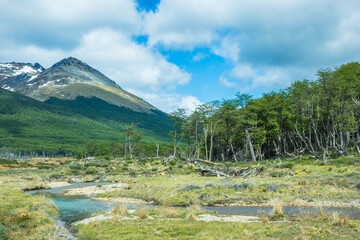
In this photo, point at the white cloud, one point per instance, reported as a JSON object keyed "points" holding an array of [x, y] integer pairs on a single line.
{"points": [[261, 38], [32, 54], [129, 64], [168, 101], [199, 56], [225, 82], [136, 68], [242, 71], [189, 102], [228, 49]]}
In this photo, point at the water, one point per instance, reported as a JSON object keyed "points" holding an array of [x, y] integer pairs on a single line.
{"points": [[75, 208]]}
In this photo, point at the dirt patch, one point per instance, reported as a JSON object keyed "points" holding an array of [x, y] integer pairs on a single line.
{"points": [[97, 189], [58, 184], [237, 218], [124, 200]]}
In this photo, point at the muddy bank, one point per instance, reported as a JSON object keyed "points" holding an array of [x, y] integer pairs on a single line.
{"points": [[202, 217], [96, 189], [124, 200]]}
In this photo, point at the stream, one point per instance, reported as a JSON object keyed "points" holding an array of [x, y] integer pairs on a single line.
{"points": [[75, 208]]}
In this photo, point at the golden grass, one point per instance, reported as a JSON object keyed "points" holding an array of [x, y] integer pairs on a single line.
{"points": [[195, 207], [277, 208], [120, 210], [115, 220], [264, 219], [191, 217], [143, 213], [171, 213], [343, 221]]}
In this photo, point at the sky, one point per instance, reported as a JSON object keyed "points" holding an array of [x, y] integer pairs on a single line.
{"points": [[181, 53]]}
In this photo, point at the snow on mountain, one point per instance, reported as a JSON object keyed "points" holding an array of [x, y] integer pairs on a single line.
{"points": [[67, 79]]}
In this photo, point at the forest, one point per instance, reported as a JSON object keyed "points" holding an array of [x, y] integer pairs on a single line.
{"points": [[318, 117]]}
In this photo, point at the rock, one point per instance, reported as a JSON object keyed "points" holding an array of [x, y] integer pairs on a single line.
{"points": [[74, 180], [97, 177]]}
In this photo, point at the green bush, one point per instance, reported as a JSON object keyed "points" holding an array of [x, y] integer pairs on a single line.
{"points": [[155, 169], [75, 166], [104, 164], [286, 165], [3, 235], [8, 161], [281, 173], [90, 171]]}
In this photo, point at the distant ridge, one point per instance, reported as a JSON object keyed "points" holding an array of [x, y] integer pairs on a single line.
{"points": [[67, 79]]}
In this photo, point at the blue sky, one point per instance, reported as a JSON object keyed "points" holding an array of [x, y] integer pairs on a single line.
{"points": [[179, 53]]}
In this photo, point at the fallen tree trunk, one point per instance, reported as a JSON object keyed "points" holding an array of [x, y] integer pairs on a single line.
{"points": [[202, 161], [203, 170]]}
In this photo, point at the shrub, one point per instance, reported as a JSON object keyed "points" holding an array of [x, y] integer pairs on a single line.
{"points": [[357, 185], [286, 165], [154, 169], [8, 161], [241, 186], [191, 187], [171, 213], [143, 213], [191, 217], [75, 166], [343, 221], [104, 164], [271, 187], [93, 163], [3, 235], [282, 173], [120, 210], [210, 185], [90, 171]]}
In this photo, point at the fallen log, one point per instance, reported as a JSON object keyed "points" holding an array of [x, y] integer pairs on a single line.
{"points": [[213, 171], [202, 161]]}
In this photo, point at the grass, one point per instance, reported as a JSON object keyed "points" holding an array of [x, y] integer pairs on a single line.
{"points": [[184, 229], [24, 216], [120, 210], [308, 183], [143, 213], [171, 213]]}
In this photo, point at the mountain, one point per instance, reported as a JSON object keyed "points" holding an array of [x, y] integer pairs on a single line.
{"points": [[67, 79], [59, 125], [16, 75], [68, 105]]}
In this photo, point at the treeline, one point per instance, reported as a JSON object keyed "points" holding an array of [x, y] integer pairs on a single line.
{"points": [[319, 117], [116, 150]]}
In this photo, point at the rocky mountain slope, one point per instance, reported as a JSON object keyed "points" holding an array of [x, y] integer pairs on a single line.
{"points": [[67, 79]]}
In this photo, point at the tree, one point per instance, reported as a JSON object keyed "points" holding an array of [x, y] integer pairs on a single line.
{"points": [[178, 116], [132, 138]]}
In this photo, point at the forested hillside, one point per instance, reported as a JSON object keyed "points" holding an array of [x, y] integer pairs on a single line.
{"points": [[61, 126], [318, 117]]}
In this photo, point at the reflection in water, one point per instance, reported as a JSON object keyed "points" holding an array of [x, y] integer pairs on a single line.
{"points": [[75, 208]]}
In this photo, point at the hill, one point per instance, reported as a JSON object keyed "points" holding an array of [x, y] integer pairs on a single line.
{"points": [[60, 125]]}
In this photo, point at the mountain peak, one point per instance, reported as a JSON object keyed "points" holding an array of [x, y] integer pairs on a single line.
{"points": [[70, 61]]}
